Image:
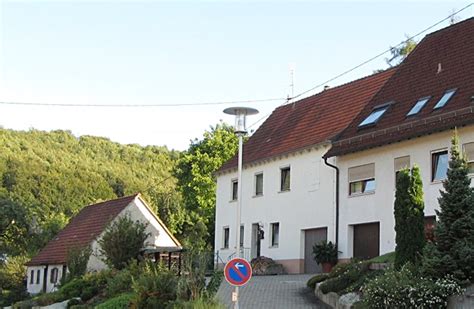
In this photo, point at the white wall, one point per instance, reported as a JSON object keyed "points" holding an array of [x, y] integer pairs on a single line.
{"points": [[379, 205], [137, 211], [308, 204], [36, 288]]}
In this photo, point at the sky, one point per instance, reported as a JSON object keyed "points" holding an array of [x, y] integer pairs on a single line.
{"points": [[186, 52]]}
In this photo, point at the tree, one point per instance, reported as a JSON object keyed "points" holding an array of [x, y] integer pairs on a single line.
{"points": [[409, 217], [195, 173], [453, 250], [122, 241], [399, 53], [76, 262]]}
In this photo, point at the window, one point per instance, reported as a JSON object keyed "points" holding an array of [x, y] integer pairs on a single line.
{"points": [[400, 164], [445, 98], [32, 277], [285, 179], [275, 232], [418, 106], [430, 223], [235, 187], [38, 275], [439, 165], [469, 152], [242, 235], [374, 116], [54, 275], [259, 184], [362, 179], [225, 244]]}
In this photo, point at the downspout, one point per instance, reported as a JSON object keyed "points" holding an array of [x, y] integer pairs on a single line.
{"points": [[337, 198]]}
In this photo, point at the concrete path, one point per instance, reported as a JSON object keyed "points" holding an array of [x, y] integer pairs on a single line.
{"points": [[272, 292]]}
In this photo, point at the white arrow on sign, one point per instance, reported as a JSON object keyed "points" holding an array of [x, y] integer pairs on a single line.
{"points": [[238, 265]]}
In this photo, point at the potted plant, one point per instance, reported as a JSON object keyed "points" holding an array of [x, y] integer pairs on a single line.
{"points": [[325, 253]]}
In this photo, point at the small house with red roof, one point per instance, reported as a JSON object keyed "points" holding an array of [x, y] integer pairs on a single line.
{"points": [[46, 269]]}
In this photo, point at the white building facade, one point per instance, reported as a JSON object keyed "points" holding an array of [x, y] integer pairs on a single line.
{"points": [[290, 198]]}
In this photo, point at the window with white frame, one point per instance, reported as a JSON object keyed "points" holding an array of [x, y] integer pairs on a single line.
{"points": [[439, 165], [285, 178], [259, 184], [32, 277], [242, 230], [469, 152], [275, 234], [38, 276], [225, 237], [235, 188], [362, 179]]}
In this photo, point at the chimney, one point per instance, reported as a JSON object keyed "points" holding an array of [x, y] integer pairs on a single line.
{"points": [[327, 87]]}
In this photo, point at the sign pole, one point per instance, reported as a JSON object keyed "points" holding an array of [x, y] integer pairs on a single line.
{"points": [[239, 207]]}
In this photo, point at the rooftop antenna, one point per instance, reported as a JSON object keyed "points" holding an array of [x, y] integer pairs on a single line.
{"points": [[291, 94]]}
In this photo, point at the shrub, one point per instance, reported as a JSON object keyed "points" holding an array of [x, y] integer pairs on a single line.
{"points": [[325, 252], [316, 279], [404, 289], [214, 283], [385, 258], [47, 299], [122, 241], [86, 287], [121, 281], [453, 251], [409, 217], [77, 258], [346, 275], [119, 302], [155, 288], [201, 303]]}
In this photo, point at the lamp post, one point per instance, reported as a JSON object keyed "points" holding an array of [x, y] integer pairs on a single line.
{"points": [[241, 114]]}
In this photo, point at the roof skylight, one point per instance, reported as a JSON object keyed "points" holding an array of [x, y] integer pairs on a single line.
{"points": [[418, 106], [445, 98], [374, 116]]}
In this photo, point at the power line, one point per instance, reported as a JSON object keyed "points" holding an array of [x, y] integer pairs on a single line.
{"points": [[382, 53], [366, 61], [139, 105]]}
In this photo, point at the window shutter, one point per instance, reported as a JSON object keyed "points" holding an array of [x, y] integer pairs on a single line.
{"points": [[469, 151], [362, 172], [401, 163]]}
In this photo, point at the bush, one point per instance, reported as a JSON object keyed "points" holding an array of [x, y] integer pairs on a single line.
{"points": [[325, 252], [316, 279], [121, 281], [155, 288], [120, 302], [214, 283], [77, 259], [47, 299], [200, 303], [385, 258], [344, 276], [122, 241], [404, 289], [86, 287]]}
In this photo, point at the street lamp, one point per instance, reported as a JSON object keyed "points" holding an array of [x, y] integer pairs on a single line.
{"points": [[241, 114]]}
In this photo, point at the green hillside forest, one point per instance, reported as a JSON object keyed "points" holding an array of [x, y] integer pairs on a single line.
{"points": [[47, 177]]}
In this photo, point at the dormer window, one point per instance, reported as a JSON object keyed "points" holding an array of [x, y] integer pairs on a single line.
{"points": [[374, 116], [445, 98], [418, 106]]}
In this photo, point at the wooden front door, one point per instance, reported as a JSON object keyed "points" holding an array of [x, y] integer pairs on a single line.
{"points": [[366, 240], [312, 237]]}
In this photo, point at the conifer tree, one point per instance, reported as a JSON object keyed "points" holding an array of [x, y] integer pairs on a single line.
{"points": [[453, 251], [409, 217]]}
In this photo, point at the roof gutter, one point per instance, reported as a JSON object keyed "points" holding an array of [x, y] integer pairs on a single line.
{"points": [[337, 199]]}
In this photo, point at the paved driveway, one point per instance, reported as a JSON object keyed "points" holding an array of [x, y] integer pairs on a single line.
{"points": [[272, 292]]}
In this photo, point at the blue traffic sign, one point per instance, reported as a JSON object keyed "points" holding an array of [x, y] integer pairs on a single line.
{"points": [[237, 272]]}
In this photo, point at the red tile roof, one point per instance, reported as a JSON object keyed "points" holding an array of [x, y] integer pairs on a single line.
{"points": [[452, 51], [88, 224], [310, 121]]}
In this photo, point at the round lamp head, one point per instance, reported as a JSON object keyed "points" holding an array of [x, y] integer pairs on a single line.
{"points": [[240, 116]]}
